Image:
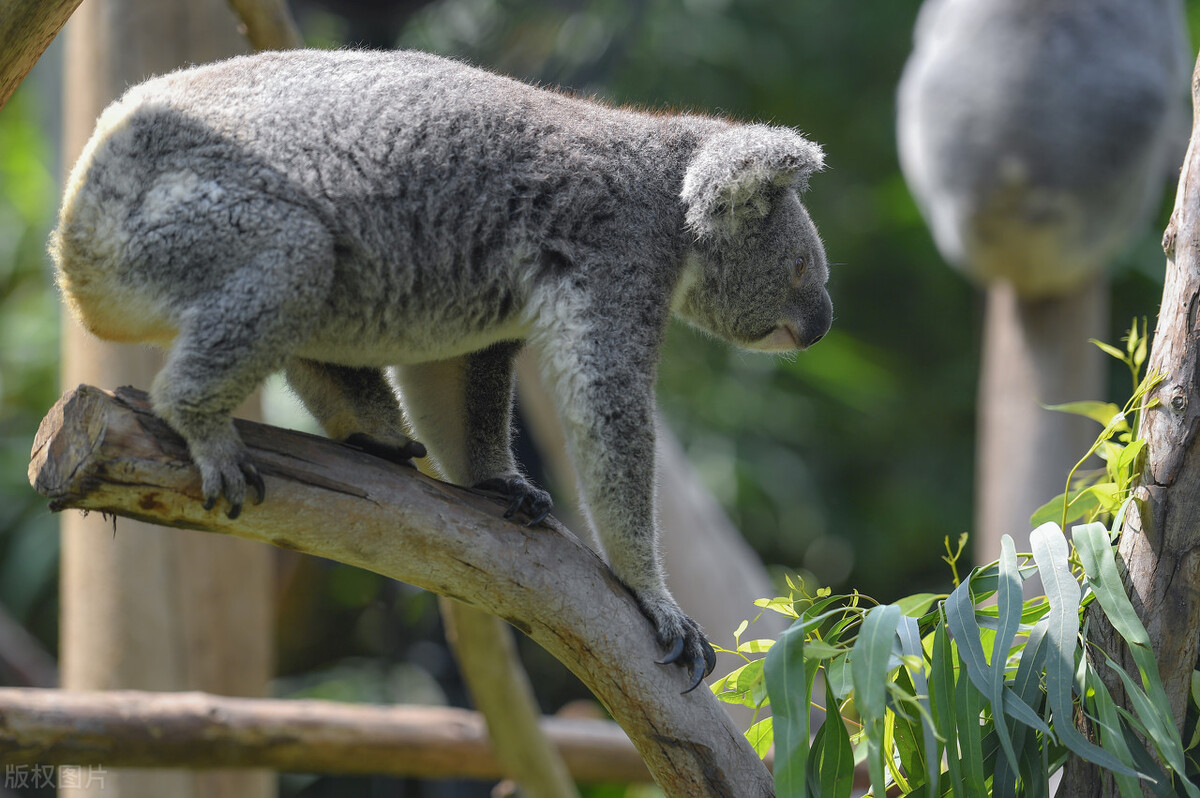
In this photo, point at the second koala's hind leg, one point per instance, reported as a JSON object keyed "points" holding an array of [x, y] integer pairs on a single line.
{"points": [[355, 405]]}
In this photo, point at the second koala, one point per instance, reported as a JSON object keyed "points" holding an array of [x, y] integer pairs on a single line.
{"points": [[333, 214]]}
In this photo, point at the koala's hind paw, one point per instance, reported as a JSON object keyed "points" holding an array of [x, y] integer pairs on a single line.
{"points": [[687, 646], [522, 497], [229, 476], [401, 454]]}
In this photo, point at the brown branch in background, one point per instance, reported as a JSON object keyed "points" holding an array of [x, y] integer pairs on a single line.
{"points": [[268, 24], [26, 29], [130, 728], [109, 453]]}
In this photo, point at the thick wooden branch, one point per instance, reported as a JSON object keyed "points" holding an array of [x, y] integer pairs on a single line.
{"points": [[107, 452], [131, 728], [27, 27]]}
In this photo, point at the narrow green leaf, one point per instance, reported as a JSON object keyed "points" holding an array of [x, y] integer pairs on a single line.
{"points": [[869, 666], [1080, 504], [1108, 349], [832, 774], [910, 645], [1112, 737], [1028, 687], [786, 679], [942, 692], [1062, 634], [1101, 412], [760, 736], [918, 604], [1008, 606], [968, 704]]}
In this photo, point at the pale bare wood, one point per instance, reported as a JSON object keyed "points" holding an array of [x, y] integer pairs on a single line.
{"points": [[131, 728], [27, 27], [1035, 353], [141, 609], [1160, 546], [268, 24], [109, 453], [487, 657]]}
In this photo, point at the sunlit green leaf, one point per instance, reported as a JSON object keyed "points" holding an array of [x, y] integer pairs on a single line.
{"points": [[788, 686], [1101, 412]]}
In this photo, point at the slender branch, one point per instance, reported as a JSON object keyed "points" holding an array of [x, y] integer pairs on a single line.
{"points": [[269, 24], [108, 453], [131, 728], [27, 27]]}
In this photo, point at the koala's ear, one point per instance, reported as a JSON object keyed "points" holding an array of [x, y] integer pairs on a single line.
{"points": [[734, 175]]}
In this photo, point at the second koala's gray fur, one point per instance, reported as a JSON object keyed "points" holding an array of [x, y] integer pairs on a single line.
{"points": [[332, 214]]}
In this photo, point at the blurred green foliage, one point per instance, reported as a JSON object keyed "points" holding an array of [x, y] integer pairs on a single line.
{"points": [[852, 461]]}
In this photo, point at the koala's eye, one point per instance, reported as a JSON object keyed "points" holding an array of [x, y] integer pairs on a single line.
{"points": [[798, 267]]}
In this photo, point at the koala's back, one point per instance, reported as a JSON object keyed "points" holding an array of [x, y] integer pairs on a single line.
{"points": [[430, 178]]}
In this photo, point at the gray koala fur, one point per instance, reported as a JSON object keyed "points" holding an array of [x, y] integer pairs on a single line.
{"points": [[332, 214], [1036, 134]]}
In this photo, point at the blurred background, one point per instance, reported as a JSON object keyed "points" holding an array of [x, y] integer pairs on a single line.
{"points": [[848, 464]]}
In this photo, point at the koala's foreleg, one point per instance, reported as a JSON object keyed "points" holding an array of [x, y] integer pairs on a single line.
{"points": [[605, 397], [462, 408], [355, 405]]}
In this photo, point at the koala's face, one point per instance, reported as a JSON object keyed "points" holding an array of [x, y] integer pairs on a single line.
{"points": [[762, 286]]}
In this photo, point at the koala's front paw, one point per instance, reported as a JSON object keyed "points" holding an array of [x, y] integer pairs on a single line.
{"points": [[228, 471], [522, 497], [402, 454], [687, 646]]}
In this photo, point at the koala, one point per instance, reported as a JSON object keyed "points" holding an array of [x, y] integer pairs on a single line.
{"points": [[337, 214]]}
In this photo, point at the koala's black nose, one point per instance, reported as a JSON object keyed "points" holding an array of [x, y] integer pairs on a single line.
{"points": [[818, 324]]}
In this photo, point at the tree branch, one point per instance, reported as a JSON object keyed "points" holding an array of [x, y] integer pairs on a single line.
{"points": [[109, 453], [268, 23], [132, 728], [27, 27]]}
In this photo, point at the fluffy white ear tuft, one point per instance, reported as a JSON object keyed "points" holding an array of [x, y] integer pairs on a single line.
{"points": [[733, 175]]}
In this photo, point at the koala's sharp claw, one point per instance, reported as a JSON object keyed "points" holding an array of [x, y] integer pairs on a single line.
{"points": [[539, 518], [209, 503], [234, 511], [522, 497], [674, 654], [710, 658], [255, 480], [697, 673]]}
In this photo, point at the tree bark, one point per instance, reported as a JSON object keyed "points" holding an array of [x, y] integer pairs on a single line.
{"points": [[27, 27], [142, 609], [131, 728], [108, 453], [1160, 545]]}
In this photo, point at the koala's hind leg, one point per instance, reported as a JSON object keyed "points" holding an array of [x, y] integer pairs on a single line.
{"points": [[230, 339], [462, 408], [355, 405]]}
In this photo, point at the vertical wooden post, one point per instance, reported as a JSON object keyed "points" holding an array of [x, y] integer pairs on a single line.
{"points": [[143, 608]]}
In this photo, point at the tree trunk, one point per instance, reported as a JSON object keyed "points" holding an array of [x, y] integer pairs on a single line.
{"points": [[1035, 352], [27, 27], [141, 609], [1160, 545]]}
